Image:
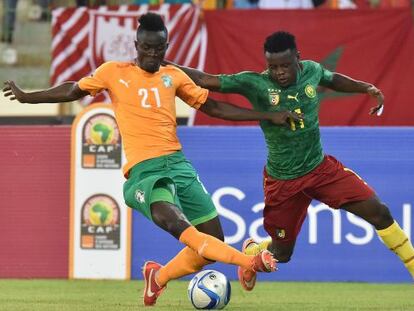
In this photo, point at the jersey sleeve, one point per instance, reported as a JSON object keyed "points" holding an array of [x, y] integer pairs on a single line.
{"points": [[191, 93], [97, 82], [326, 75], [235, 83]]}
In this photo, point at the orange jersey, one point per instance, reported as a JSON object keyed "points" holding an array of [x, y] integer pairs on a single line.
{"points": [[144, 105]]}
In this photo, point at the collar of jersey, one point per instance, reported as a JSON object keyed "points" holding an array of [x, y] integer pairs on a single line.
{"points": [[146, 73], [298, 74]]}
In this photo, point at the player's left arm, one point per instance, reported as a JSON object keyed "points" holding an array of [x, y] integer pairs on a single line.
{"points": [[343, 83], [197, 98], [227, 111], [205, 80]]}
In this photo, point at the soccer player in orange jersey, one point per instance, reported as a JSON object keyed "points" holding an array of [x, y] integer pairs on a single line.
{"points": [[161, 183]]}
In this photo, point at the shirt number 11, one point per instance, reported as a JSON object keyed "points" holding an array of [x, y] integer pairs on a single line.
{"points": [[292, 122]]}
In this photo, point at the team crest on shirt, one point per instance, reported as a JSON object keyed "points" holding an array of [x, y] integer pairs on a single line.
{"points": [[310, 91], [140, 196], [274, 96], [167, 80]]}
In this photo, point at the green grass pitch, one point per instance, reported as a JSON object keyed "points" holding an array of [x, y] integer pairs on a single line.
{"points": [[79, 295]]}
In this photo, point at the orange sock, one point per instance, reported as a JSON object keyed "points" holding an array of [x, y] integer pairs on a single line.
{"points": [[185, 262], [212, 248]]}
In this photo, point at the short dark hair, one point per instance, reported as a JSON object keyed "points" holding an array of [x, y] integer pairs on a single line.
{"points": [[280, 41], [151, 22]]}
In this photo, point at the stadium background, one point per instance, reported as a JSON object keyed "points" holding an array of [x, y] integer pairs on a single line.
{"points": [[374, 45]]}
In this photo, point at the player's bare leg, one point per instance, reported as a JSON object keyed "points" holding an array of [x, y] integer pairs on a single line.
{"points": [[282, 251], [378, 215], [212, 227], [371, 210]]}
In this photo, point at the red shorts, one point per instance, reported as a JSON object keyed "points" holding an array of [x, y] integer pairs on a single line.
{"points": [[287, 201]]}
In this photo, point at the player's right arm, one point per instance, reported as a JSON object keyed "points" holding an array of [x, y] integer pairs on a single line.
{"points": [[65, 92], [203, 79]]}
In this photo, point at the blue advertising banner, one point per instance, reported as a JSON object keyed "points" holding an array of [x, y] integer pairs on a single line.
{"points": [[332, 245]]}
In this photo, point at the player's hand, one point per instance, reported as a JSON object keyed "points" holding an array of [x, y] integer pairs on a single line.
{"points": [[285, 117], [375, 92], [13, 92]]}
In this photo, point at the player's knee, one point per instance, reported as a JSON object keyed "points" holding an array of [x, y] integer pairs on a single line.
{"points": [[382, 218], [169, 218], [219, 236], [282, 258], [212, 227], [178, 225]]}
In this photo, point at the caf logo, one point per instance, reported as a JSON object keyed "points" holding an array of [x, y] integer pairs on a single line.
{"points": [[100, 223], [101, 210], [101, 143], [101, 130]]}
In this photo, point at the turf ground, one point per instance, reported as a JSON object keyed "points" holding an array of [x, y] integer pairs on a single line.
{"points": [[64, 295]]}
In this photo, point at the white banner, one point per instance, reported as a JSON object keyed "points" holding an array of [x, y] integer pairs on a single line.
{"points": [[100, 224]]}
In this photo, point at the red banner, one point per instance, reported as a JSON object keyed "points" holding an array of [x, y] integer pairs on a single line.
{"points": [[372, 45], [376, 46], [34, 207]]}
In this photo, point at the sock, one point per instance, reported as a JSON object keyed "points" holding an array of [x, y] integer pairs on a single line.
{"points": [[185, 262], [256, 248], [397, 241], [212, 248]]}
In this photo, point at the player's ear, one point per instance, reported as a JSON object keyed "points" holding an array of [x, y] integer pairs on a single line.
{"points": [[298, 54]]}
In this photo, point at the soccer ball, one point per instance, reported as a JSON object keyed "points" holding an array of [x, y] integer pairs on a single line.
{"points": [[209, 289]]}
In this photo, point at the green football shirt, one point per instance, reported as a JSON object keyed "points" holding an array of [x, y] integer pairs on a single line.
{"points": [[295, 150]]}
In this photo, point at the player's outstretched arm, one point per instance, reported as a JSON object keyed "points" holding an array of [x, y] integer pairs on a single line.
{"points": [[231, 112], [343, 83], [205, 80], [65, 92]]}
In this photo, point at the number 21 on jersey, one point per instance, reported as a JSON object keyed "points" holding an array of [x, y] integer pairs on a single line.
{"points": [[293, 124], [143, 93]]}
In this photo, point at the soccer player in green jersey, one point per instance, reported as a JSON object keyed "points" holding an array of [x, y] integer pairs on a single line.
{"points": [[297, 170]]}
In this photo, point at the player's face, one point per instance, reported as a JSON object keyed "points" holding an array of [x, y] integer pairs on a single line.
{"points": [[151, 47], [283, 66]]}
